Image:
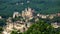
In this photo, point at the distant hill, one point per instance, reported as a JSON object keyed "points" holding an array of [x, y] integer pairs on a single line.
{"points": [[7, 7]]}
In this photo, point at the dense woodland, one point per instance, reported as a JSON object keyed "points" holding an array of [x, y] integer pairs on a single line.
{"points": [[7, 7]]}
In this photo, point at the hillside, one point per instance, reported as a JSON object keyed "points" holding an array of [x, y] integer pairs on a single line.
{"points": [[7, 7]]}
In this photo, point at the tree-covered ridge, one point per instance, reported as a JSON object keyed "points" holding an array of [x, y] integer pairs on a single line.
{"points": [[42, 6], [41, 28]]}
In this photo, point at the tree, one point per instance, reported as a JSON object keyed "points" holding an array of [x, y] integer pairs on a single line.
{"points": [[16, 32], [57, 19], [41, 28], [2, 22], [1, 29]]}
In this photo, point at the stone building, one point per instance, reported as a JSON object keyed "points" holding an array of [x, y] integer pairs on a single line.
{"points": [[15, 14], [18, 25], [58, 14], [0, 17], [55, 25], [27, 13]]}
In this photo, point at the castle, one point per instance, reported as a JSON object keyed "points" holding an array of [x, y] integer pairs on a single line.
{"points": [[27, 13]]}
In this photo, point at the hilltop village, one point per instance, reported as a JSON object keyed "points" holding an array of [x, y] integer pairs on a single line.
{"points": [[22, 21]]}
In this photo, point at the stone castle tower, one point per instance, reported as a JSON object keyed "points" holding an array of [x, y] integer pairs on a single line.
{"points": [[28, 12]]}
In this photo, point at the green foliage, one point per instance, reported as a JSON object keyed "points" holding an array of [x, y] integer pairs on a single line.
{"points": [[41, 28], [7, 7], [2, 22], [17, 18], [15, 32], [56, 19], [1, 29]]}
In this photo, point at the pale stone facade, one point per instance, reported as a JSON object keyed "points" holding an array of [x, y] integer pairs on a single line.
{"points": [[27, 13], [15, 14], [0, 17], [55, 25]]}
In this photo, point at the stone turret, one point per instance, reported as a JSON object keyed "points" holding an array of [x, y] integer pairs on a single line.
{"points": [[15, 14], [28, 12]]}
